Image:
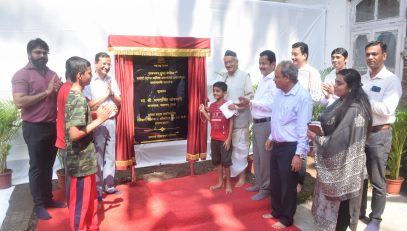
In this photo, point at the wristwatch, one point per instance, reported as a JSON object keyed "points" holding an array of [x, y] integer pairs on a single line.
{"points": [[301, 156]]}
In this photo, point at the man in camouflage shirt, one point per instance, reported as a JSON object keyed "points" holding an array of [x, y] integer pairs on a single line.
{"points": [[81, 154]]}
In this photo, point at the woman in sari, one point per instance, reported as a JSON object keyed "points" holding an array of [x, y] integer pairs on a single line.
{"points": [[340, 159]]}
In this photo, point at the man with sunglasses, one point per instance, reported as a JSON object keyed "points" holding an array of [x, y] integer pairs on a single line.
{"points": [[35, 89]]}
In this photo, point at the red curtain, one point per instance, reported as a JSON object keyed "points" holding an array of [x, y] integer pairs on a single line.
{"points": [[125, 121], [197, 94]]}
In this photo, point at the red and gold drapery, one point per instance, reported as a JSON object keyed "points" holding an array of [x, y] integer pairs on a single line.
{"points": [[159, 46], [124, 122], [196, 49], [197, 94]]}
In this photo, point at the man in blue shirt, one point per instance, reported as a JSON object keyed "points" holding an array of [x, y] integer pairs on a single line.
{"points": [[291, 112]]}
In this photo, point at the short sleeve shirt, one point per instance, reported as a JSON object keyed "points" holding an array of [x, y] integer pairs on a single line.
{"points": [[219, 123], [31, 81], [97, 88], [61, 101], [81, 154]]}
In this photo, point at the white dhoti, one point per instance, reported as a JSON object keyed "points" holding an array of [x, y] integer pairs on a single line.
{"points": [[240, 150]]}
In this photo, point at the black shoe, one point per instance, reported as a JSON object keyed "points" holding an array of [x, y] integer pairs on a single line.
{"points": [[55, 204], [363, 218], [42, 213]]}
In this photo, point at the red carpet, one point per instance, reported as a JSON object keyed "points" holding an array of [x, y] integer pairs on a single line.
{"points": [[177, 204]]}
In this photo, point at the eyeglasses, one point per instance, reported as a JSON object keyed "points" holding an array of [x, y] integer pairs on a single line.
{"points": [[41, 52]]}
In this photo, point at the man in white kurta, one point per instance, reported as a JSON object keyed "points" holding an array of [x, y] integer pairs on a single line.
{"points": [[239, 84]]}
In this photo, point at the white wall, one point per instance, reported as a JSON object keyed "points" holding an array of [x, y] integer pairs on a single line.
{"points": [[337, 25], [81, 28]]}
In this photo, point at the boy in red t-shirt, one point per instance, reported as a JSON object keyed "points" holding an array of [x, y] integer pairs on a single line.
{"points": [[60, 141], [221, 136]]}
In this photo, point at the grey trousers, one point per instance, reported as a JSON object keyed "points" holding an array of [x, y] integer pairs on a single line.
{"points": [[105, 144], [261, 157], [377, 150]]}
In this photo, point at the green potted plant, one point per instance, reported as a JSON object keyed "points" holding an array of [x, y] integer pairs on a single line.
{"points": [[61, 172], [399, 139], [250, 165], [10, 122], [317, 107]]}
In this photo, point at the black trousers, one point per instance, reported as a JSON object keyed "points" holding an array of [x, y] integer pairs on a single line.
{"points": [[40, 139], [343, 221], [283, 184]]}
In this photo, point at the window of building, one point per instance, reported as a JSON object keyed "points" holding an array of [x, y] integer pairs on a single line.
{"points": [[388, 8], [368, 10], [377, 20], [365, 11]]}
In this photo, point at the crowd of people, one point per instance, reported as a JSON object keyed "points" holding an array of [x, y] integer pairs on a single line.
{"points": [[77, 118], [351, 145]]}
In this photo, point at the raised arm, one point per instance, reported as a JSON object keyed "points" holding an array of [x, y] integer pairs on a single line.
{"points": [[22, 99]]}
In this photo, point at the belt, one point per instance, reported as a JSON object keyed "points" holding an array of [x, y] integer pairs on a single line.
{"points": [[378, 128], [262, 120], [283, 144]]}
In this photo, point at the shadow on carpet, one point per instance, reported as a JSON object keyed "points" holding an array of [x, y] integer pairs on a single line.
{"points": [[177, 204]]}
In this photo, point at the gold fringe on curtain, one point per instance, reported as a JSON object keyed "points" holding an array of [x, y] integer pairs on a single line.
{"points": [[197, 156], [124, 163], [172, 52]]}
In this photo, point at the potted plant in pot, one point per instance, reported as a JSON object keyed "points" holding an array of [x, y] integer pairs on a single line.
{"points": [[399, 139], [61, 172], [10, 122], [318, 108]]}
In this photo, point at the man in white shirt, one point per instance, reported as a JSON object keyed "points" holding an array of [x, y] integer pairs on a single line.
{"points": [[103, 90], [308, 76], [260, 107], [384, 91], [261, 112], [292, 109], [239, 85], [310, 79]]}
